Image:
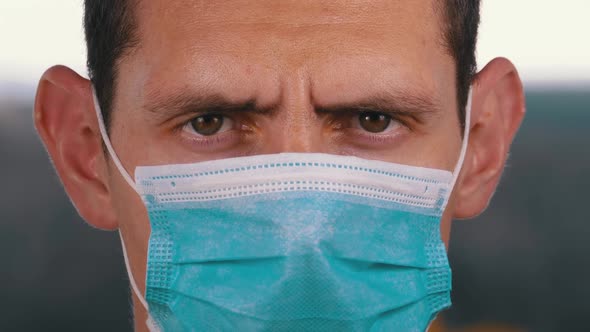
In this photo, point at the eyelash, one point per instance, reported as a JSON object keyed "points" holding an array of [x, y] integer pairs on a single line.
{"points": [[337, 120], [188, 126], [354, 114], [200, 141]]}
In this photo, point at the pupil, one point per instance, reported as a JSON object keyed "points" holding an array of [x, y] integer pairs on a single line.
{"points": [[207, 125], [374, 122]]}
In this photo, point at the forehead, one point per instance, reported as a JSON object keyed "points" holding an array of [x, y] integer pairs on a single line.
{"points": [[186, 15], [215, 39]]}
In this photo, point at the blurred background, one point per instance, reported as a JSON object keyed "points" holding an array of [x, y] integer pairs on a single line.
{"points": [[521, 266]]}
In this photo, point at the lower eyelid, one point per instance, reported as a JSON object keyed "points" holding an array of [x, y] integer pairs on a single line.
{"points": [[220, 140], [361, 137]]}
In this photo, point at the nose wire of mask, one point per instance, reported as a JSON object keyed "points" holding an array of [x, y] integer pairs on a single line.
{"points": [[131, 183], [127, 177]]}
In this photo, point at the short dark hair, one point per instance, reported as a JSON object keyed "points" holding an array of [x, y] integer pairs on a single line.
{"points": [[461, 25], [111, 34]]}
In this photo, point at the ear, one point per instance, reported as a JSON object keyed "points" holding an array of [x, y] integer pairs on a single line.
{"points": [[498, 107], [65, 119]]}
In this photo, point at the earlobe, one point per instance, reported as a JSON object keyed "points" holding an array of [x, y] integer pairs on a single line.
{"points": [[65, 120], [497, 110]]}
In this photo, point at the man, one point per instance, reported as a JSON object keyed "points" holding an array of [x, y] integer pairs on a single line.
{"points": [[182, 82]]}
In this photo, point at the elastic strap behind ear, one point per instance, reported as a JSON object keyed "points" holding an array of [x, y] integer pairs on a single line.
{"points": [[130, 274], [150, 324], [466, 131], [107, 142], [105, 137]]}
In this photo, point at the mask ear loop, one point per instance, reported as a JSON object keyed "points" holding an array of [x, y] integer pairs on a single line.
{"points": [[130, 274], [107, 142], [127, 177], [460, 162], [464, 145]]}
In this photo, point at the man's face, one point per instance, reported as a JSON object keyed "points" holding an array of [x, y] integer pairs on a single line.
{"points": [[213, 80], [265, 77]]}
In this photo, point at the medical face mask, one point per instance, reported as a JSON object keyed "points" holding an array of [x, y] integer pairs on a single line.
{"points": [[293, 242]]}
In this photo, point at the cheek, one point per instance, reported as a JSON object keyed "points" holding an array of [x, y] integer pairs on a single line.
{"points": [[447, 220], [437, 147], [130, 209]]}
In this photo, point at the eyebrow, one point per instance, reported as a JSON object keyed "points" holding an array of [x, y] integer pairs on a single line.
{"points": [[185, 103], [391, 103]]}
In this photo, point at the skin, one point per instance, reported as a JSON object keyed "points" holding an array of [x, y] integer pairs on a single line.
{"points": [[296, 61]]}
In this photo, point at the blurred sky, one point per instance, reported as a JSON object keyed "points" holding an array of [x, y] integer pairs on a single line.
{"points": [[547, 40]]}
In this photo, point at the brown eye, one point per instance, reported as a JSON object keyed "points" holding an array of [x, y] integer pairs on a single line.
{"points": [[208, 124], [374, 122]]}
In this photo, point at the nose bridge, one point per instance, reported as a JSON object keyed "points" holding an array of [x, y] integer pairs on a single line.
{"points": [[296, 127], [298, 133]]}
